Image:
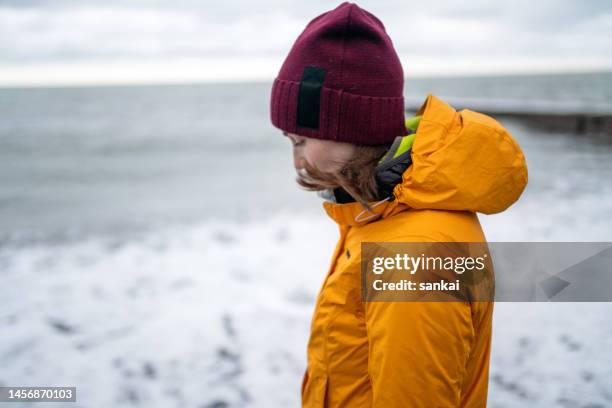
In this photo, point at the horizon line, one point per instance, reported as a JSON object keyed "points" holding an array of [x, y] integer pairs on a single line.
{"points": [[225, 81]]}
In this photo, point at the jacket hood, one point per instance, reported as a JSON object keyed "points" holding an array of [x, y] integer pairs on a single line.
{"points": [[461, 160]]}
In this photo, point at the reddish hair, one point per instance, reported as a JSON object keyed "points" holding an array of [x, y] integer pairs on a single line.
{"points": [[357, 175]]}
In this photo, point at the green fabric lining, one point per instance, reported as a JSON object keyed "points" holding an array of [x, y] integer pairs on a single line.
{"points": [[406, 142], [413, 122]]}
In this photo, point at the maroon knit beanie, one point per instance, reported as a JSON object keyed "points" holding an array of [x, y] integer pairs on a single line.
{"points": [[342, 80]]}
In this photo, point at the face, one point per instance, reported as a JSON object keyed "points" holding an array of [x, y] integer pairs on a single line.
{"points": [[327, 155]]}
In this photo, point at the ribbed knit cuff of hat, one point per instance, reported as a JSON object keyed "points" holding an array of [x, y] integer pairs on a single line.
{"points": [[343, 116]]}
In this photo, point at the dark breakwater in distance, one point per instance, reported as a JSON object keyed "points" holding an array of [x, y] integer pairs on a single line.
{"points": [[574, 121], [578, 103]]}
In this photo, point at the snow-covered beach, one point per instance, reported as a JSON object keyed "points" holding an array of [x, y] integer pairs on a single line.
{"points": [[179, 318]]}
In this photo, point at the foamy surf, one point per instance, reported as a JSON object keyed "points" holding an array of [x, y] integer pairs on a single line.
{"points": [[218, 314]]}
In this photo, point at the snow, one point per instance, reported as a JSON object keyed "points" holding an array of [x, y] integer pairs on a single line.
{"points": [[218, 315]]}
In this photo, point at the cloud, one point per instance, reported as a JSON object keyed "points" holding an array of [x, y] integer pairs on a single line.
{"points": [[34, 34]]}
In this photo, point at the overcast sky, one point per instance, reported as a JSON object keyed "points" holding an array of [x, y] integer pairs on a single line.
{"points": [[112, 41]]}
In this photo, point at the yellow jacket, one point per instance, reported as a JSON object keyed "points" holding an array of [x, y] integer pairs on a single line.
{"points": [[415, 354]]}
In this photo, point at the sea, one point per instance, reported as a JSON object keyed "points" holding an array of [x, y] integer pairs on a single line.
{"points": [[155, 249]]}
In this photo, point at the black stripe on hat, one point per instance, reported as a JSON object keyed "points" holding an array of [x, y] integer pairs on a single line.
{"points": [[309, 97]]}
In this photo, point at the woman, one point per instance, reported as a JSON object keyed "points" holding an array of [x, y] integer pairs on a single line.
{"points": [[387, 178]]}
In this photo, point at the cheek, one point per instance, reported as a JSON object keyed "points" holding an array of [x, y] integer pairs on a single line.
{"points": [[317, 154]]}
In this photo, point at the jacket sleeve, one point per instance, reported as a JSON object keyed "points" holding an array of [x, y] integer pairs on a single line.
{"points": [[418, 352]]}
